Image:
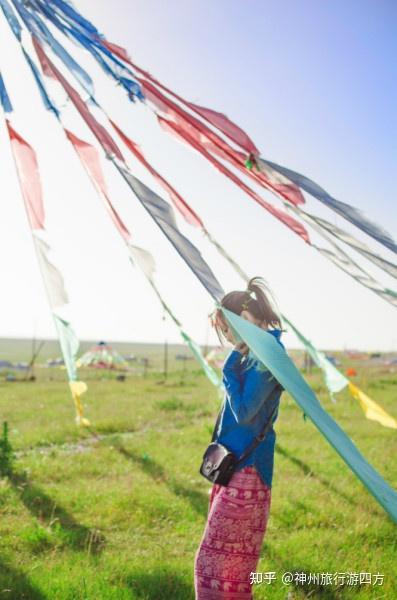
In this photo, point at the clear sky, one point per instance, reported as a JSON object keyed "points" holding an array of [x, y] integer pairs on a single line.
{"points": [[314, 85]]}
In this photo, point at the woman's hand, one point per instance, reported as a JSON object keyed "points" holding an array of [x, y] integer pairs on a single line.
{"points": [[241, 347]]}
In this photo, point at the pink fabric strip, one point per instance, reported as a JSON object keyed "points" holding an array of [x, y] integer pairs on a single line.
{"points": [[230, 547], [29, 177]]}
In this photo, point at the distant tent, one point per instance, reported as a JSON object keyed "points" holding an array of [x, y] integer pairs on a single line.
{"points": [[5, 364], [102, 356]]}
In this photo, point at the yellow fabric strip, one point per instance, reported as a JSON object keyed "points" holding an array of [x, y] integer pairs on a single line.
{"points": [[78, 388], [371, 409]]}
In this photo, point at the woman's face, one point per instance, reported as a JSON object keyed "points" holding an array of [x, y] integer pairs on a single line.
{"points": [[227, 332]]}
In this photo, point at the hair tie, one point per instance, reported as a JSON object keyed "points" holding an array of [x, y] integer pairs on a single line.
{"points": [[244, 306]]}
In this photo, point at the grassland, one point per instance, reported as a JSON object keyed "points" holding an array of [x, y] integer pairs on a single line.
{"points": [[117, 511]]}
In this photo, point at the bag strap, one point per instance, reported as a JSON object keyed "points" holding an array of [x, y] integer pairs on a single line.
{"points": [[259, 438]]}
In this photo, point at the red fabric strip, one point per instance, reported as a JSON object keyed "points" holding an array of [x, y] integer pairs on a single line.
{"points": [[186, 211], [29, 178], [280, 215], [290, 191], [217, 145], [97, 129], [218, 120], [90, 159]]}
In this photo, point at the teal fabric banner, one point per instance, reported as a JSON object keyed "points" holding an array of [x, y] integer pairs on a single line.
{"points": [[269, 352], [334, 379]]}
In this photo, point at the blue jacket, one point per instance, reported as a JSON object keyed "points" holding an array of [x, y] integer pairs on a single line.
{"points": [[251, 395]]}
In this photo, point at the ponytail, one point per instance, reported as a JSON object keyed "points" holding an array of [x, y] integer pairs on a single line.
{"points": [[255, 300], [260, 306]]}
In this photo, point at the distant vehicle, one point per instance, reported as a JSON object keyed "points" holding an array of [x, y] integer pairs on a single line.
{"points": [[333, 360], [130, 358], [21, 366], [55, 362]]}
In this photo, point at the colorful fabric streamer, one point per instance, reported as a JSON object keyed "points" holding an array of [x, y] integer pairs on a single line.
{"points": [[159, 210], [268, 178], [162, 214], [268, 351], [226, 152], [334, 379], [345, 210], [224, 124], [290, 177], [76, 35], [237, 135], [344, 262], [90, 160], [186, 211], [291, 223], [37, 28], [218, 120], [30, 184], [208, 140], [350, 240], [39, 82], [271, 180], [371, 409], [97, 129]]}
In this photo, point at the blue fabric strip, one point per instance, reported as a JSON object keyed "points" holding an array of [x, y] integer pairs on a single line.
{"points": [[4, 98], [162, 214], [40, 84], [345, 210], [11, 18], [36, 26], [72, 14], [92, 46]]}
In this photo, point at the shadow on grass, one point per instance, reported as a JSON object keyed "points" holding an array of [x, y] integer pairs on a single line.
{"points": [[197, 500], [45, 509], [308, 471], [14, 585], [155, 585]]}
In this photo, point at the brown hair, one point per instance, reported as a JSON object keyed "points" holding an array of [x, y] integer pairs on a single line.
{"points": [[255, 300]]}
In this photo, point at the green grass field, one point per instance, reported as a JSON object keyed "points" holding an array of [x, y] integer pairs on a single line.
{"points": [[117, 512]]}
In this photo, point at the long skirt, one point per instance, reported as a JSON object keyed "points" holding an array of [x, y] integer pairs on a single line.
{"points": [[230, 547]]}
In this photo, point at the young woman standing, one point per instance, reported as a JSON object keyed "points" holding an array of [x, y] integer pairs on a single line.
{"points": [[238, 513]]}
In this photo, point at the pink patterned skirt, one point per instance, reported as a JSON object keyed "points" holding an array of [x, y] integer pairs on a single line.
{"points": [[230, 547]]}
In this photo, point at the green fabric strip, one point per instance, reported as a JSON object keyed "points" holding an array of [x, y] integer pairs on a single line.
{"points": [[208, 370], [270, 353], [334, 379], [69, 346]]}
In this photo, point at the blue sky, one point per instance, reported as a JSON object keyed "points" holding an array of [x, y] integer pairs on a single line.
{"points": [[312, 83]]}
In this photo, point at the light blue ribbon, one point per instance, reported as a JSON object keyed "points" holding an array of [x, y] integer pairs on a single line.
{"points": [[269, 352]]}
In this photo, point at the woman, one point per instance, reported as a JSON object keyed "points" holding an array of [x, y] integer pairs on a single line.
{"points": [[238, 513]]}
